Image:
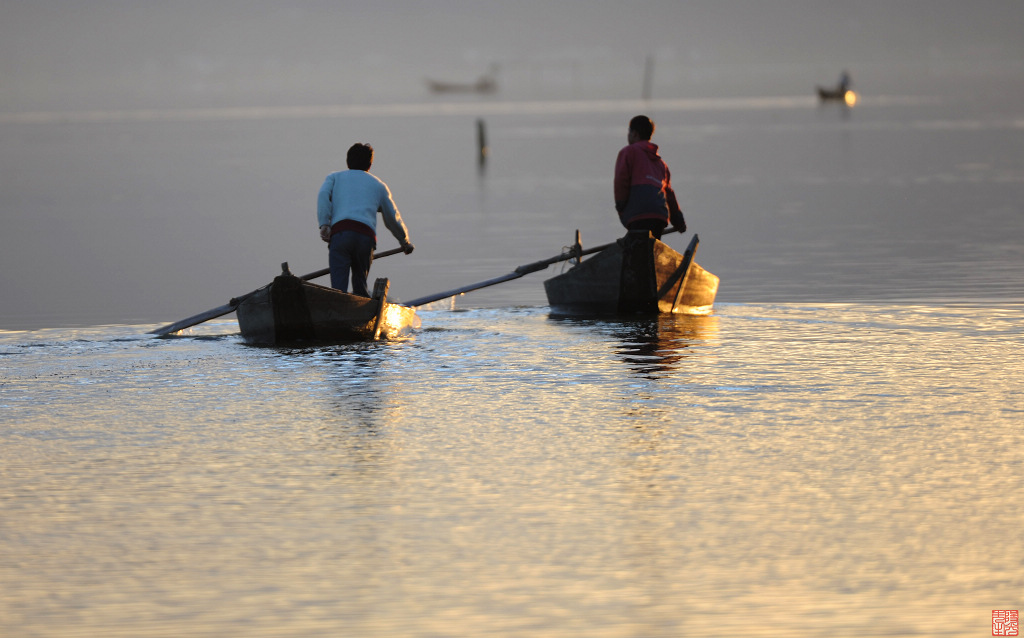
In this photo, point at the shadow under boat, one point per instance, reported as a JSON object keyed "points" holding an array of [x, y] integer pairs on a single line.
{"points": [[637, 274]]}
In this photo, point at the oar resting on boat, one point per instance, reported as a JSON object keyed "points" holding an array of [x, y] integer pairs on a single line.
{"points": [[575, 252]]}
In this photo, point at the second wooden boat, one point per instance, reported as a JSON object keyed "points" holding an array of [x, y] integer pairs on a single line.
{"points": [[636, 274]]}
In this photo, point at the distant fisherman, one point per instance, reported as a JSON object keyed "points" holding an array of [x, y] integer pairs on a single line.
{"points": [[347, 208], [643, 185], [844, 82]]}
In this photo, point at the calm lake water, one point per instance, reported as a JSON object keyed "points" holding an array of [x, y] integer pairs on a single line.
{"points": [[836, 451], [790, 469]]}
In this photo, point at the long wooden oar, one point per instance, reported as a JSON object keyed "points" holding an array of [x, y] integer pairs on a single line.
{"points": [[220, 311], [525, 269]]}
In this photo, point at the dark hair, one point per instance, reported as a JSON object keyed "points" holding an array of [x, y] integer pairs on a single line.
{"points": [[360, 156], [643, 126]]}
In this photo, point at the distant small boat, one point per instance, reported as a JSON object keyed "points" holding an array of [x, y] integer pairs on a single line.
{"points": [[486, 84], [847, 96], [637, 274], [291, 311], [483, 85]]}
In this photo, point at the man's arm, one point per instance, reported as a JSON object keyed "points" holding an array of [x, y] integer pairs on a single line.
{"points": [[675, 213], [393, 220], [324, 202]]}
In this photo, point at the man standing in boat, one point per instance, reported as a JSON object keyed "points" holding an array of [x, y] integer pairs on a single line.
{"points": [[347, 208], [643, 185]]}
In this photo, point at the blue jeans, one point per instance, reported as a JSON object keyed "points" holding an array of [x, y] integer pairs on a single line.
{"points": [[351, 251]]}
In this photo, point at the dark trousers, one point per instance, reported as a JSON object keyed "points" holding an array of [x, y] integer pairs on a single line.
{"points": [[350, 252]]}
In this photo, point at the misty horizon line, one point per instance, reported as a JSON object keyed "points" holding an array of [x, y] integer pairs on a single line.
{"points": [[407, 109]]}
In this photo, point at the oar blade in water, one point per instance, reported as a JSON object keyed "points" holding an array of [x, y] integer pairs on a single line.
{"points": [[178, 326]]}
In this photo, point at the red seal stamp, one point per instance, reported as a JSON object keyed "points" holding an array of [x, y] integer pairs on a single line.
{"points": [[1005, 622]]}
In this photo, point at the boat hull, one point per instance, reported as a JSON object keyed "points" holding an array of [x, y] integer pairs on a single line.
{"points": [[291, 311], [846, 96], [637, 274], [484, 85]]}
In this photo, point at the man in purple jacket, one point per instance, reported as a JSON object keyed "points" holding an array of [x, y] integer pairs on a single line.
{"points": [[643, 185]]}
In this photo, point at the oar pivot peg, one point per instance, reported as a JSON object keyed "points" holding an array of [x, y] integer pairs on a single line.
{"points": [[577, 249]]}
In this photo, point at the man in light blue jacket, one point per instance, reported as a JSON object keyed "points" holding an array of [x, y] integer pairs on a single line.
{"points": [[347, 208]]}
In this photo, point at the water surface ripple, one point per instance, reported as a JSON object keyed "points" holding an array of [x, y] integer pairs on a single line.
{"points": [[799, 470]]}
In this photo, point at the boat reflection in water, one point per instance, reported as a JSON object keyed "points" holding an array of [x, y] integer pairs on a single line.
{"points": [[653, 346]]}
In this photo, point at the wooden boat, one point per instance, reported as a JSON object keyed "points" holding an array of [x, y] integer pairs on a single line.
{"points": [[483, 85], [838, 94], [486, 83], [636, 274], [292, 311]]}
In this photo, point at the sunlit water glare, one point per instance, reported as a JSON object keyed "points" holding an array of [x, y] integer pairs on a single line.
{"points": [[801, 470]]}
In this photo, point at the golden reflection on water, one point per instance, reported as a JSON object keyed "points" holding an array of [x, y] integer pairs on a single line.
{"points": [[764, 471]]}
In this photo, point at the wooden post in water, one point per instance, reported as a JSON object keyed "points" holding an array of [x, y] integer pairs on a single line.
{"points": [[648, 77], [481, 143]]}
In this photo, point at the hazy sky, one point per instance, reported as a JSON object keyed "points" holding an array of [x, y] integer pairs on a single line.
{"points": [[112, 53]]}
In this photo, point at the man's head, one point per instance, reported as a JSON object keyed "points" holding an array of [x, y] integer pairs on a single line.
{"points": [[641, 127], [360, 157]]}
